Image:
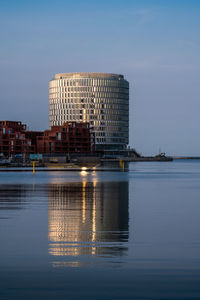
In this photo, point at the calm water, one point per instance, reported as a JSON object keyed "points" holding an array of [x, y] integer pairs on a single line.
{"points": [[101, 235]]}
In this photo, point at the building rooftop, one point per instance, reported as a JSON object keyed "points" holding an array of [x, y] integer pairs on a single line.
{"points": [[88, 75]]}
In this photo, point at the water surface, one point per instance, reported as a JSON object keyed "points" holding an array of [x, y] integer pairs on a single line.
{"points": [[101, 235]]}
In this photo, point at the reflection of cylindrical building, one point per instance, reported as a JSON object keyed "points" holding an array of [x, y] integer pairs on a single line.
{"points": [[88, 218], [102, 99]]}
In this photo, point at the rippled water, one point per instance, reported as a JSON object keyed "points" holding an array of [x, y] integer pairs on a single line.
{"points": [[101, 235]]}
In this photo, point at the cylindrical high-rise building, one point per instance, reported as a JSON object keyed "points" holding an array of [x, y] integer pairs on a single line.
{"points": [[102, 99]]}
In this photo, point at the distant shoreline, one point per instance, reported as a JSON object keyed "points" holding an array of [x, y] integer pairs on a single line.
{"points": [[186, 157]]}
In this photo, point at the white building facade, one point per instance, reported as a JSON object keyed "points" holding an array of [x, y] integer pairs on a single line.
{"points": [[102, 99]]}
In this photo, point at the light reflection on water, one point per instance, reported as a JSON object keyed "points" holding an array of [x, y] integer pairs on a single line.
{"points": [[88, 218]]}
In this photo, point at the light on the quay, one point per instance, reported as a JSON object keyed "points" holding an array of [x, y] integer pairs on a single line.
{"points": [[83, 171]]}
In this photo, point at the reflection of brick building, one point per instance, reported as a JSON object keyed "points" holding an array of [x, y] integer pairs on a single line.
{"points": [[71, 137]]}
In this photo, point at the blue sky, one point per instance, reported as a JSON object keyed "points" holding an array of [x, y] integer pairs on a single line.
{"points": [[155, 44]]}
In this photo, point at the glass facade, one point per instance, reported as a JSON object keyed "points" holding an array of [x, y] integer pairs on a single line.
{"points": [[101, 99]]}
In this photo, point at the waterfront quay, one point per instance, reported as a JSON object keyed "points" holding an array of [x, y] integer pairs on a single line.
{"points": [[80, 163]]}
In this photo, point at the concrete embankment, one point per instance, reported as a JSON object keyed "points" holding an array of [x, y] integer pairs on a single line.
{"points": [[115, 164]]}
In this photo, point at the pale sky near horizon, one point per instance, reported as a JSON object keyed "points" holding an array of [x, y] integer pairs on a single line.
{"points": [[155, 44]]}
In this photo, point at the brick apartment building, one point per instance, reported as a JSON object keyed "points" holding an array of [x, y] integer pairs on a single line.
{"points": [[71, 137], [14, 139]]}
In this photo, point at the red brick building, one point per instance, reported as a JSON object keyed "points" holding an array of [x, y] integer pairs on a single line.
{"points": [[71, 137], [13, 139]]}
